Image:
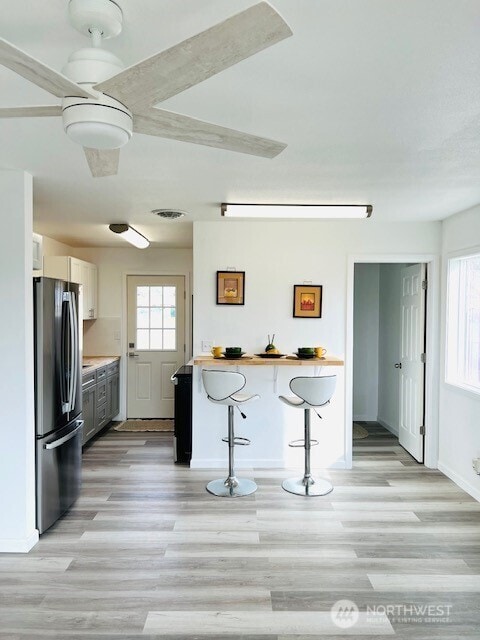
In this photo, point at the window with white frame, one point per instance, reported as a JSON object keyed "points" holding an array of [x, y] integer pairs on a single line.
{"points": [[463, 322]]}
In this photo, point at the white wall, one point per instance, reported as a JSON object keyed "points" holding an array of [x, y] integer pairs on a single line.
{"points": [[17, 467], [52, 247], [277, 255], [459, 410], [365, 341], [101, 335], [389, 345]]}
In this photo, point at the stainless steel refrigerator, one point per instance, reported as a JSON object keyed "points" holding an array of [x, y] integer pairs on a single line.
{"points": [[58, 398]]}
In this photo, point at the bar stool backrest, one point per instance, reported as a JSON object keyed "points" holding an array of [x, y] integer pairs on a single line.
{"points": [[220, 385], [316, 390]]}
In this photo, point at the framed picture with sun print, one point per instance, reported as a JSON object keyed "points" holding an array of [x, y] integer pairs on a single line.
{"points": [[230, 287], [307, 301]]}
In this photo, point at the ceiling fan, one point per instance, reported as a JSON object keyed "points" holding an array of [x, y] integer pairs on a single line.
{"points": [[103, 103]]}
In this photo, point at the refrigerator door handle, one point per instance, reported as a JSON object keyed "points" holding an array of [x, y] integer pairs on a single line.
{"points": [[65, 385], [74, 346], [69, 298], [69, 436]]}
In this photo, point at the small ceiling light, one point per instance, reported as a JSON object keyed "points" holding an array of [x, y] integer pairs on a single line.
{"points": [[130, 235], [169, 214], [296, 211]]}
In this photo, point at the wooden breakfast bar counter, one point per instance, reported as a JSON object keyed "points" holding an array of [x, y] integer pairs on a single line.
{"points": [[285, 361], [270, 425]]}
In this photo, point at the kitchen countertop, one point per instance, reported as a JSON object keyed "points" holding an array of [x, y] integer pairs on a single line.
{"points": [[95, 362], [249, 360]]}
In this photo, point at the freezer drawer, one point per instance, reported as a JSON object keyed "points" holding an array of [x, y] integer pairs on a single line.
{"points": [[59, 465]]}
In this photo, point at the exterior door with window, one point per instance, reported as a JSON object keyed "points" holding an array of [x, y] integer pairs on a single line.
{"points": [[156, 343], [411, 365]]}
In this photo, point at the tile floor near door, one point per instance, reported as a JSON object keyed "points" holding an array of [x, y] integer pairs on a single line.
{"points": [[147, 553]]}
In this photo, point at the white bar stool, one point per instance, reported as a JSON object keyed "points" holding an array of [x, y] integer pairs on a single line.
{"points": [[222, 387], [310, 393]]}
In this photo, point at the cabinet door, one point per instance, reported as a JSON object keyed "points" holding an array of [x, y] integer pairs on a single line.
{"points": [[101, 417], [75, 270], [37, 251], [89, 402], [109, 399], [115, 395], [92, 290]]}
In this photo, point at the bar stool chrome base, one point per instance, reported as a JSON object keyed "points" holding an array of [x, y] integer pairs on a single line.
{"points": [[231, 487], [302, 487]]}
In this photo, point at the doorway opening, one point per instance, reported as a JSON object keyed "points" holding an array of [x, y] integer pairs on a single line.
{"points": [[389, 356]]}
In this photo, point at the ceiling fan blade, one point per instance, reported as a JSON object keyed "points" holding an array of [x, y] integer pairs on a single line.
{"points": [[40, 74], [31, 112], [165, 124], [102, 162], [198, 58]]}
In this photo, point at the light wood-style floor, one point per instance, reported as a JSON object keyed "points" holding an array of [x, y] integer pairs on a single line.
{"points": [[147, 553]]}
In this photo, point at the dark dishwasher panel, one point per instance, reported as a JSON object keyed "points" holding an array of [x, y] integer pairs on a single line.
{"points": [[182, 441]]}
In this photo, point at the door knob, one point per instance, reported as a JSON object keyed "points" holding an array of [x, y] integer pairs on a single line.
{"points": [[132, 355], [398, 365]]}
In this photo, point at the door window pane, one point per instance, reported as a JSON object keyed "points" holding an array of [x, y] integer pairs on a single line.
{"points": [[156, 339], [143, 339], [156, 297], [156, 318], [169, 318], [169, 339], [142, 318], [142, 297]]}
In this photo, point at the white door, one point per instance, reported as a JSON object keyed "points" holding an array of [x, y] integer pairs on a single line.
{"points": [[156, 343], [411, 366]]}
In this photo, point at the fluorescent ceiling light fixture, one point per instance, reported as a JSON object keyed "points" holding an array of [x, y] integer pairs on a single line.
{"points": [[332, 211], [130, 235]]}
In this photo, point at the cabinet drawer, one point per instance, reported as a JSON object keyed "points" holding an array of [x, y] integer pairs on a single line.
{"points": [[101, 373], [101, 393], [112, 368], [88, 379]]}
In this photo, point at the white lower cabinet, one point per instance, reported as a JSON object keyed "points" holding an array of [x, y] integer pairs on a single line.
{"points": [[75, 270]]}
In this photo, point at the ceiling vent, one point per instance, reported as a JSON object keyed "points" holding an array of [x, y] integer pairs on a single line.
{"points": [[169, 214]]}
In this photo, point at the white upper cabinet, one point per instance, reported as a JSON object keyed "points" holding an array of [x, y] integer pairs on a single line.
{"points": [[79, 271], [89, 281]]}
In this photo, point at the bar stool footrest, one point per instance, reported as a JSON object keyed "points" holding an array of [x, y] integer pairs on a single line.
{"points": [[243, 442], [301, 443]]}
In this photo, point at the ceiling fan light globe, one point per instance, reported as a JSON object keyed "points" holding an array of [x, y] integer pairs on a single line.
{"points": [[97, 135]]}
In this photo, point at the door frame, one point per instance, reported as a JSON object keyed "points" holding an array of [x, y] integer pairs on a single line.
{"points": [[432, 365], [124, 320]]}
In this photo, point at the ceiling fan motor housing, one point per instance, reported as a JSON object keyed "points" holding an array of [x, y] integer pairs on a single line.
{"points": [[104, 123]]}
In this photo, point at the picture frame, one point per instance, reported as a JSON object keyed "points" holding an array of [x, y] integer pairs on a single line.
{"points": [[231, 287], [307, 301]]}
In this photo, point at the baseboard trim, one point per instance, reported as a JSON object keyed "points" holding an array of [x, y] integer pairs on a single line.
{"points": [[461, 482], [388, 427], [12, 545], [259, 463]]}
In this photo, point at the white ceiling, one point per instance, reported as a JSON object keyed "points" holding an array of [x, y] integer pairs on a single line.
{"points": [[378, 101]]}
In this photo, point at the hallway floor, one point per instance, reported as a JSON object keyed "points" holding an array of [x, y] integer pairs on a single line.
{"points": [[147, 553]]}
